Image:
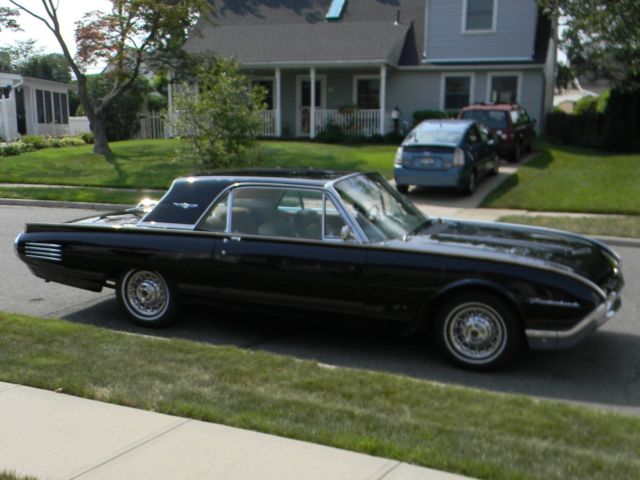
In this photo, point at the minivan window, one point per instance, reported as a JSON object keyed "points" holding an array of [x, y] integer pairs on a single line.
{"points": [[490, 119]]}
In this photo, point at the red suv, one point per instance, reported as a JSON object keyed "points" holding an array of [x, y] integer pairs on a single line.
{"points": [[509, 123]]}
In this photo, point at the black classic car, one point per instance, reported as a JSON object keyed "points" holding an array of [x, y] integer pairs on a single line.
{"points": [[342, 243]]}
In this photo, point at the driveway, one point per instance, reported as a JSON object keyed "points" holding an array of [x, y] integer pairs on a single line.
{"points": [[432, 197], [603, 371]]}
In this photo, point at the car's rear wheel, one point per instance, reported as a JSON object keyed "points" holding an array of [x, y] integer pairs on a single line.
{"points": [[402, 188], [147, 297], [495, 169], [516, 153], [471, 184], [477, 330]]}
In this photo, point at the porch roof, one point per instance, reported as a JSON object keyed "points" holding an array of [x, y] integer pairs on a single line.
{"points": [[372, 42]]}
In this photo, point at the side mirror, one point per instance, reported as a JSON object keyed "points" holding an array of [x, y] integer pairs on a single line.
{"points": [[346, 234]]}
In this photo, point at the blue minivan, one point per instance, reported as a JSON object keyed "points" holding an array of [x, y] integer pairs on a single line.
{"points": [[445, 153]]}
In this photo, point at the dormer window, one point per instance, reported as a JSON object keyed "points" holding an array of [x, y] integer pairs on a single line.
{"points": [[479, 16]]}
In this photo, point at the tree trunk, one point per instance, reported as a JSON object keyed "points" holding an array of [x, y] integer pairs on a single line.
{"points": [[99, 130]]}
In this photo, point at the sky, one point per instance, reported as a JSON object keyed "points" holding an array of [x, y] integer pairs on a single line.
{"points": [[69, 12]]}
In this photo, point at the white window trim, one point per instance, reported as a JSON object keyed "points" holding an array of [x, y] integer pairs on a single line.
{"points": [[490, 77], [494, 20], [355, 85], [443, 84]]}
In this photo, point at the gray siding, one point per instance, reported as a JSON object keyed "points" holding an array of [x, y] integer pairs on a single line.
{"points": [[422, 90], [514, 36]]}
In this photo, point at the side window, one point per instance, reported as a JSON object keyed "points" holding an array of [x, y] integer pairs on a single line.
{"points": [[484, 134], [216, 220], [515, 118], [333, 221], [473, 137]]}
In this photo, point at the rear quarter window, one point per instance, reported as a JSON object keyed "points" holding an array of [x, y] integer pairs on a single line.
{"points": [[489, 118]]}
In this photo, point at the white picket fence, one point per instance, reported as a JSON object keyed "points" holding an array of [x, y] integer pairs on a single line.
{"points": [[268, 121], [152, 125]]}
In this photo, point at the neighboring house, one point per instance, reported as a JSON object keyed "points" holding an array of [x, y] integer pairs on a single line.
{"points": [[32, 106], [352, 62]]}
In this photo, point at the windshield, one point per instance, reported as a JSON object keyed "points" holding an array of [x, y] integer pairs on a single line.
{"points": [[489, 118], [380, 211], [424, 136]]}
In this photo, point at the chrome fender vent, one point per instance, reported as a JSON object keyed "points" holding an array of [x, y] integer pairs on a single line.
{"points": [[43, 251]]}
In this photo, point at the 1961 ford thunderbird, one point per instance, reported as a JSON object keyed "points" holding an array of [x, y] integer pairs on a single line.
{"points": [[337, 242]]}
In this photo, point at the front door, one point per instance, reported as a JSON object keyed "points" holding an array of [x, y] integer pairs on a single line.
{"points": [[304, 103]]}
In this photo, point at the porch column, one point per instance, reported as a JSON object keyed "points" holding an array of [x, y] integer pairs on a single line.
{"points": [[278, 103], [383, 97], [4, 105], [168, 131], [312, 123]]}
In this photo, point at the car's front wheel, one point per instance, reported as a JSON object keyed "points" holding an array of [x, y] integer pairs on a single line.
{"points": [[148, 297], [402, 188], [477, 330]]}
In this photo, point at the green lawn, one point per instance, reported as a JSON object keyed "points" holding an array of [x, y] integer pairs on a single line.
{"points": [[151, 163], [80, 194], [464, 430], [628, 226], [567, 179]]}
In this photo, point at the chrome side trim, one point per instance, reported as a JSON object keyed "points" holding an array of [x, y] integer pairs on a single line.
{"points": [[554, 339], [553, 303], [43, 251]]}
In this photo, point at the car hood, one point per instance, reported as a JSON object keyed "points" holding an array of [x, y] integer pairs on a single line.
{"points": [[503, 241]]}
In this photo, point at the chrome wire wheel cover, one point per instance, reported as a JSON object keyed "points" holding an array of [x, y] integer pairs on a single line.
{"points": [[475, 333], [147, 294]]}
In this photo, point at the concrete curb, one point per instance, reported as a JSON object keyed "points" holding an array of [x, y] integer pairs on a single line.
{"points": [[60, 204]]}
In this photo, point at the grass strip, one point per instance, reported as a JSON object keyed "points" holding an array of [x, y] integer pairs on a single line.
{"points": [[628, 226], [13, 476], [569, 179], [153, 164], [480, 434], [76, 194]]}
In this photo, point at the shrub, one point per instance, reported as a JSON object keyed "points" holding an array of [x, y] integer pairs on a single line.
{"points": [[393, 138], [15, 148], [420, 115], [586, 105], [36, 141], [622, 123], [87, 137], [572, 129], [331, 134]]}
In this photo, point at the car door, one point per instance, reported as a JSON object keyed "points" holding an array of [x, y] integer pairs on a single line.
{"points": [[477, 149], [279, 248]]}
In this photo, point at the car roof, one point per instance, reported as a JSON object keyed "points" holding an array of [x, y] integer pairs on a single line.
{"points": [[449, 125], [506, 107], [293, 176]]}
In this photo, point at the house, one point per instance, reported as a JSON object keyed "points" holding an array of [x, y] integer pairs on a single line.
{"points": [[32, 106], [353, 62]]}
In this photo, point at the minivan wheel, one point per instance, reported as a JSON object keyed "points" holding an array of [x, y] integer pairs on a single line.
{"points": [[515, 155], [477, 330], [147, 297]]}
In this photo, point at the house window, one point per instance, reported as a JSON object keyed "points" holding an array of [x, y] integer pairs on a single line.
{"points": [[48, 110], [65, 108], [268, 86], [457, 92], [479, 15], [57, 111], [504, 89], [368, 93], [40, 106]]}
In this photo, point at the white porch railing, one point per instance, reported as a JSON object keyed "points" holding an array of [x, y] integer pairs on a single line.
{"points": [[268, 120], [357, 122]]}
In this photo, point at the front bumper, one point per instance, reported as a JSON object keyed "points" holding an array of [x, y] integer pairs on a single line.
{"points": [[557, 339]]}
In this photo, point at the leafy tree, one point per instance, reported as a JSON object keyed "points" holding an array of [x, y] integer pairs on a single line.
{"points": [[564, 77], [122, 113], [601, 38], [52, 66], [14, 56], [132, 32], [8, 19], [222, 120]]}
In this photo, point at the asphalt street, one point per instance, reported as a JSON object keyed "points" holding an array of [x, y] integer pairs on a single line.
{"points": [[603, 371]]}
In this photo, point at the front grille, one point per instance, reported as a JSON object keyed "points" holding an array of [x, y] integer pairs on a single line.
{"points": [[43, 251]]}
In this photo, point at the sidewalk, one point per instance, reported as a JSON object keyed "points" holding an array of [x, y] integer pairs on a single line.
{"points": [[56, 436]]}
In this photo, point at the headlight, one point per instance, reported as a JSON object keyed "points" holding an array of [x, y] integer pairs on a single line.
{"points": [[458, 157], [398, 159]]}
